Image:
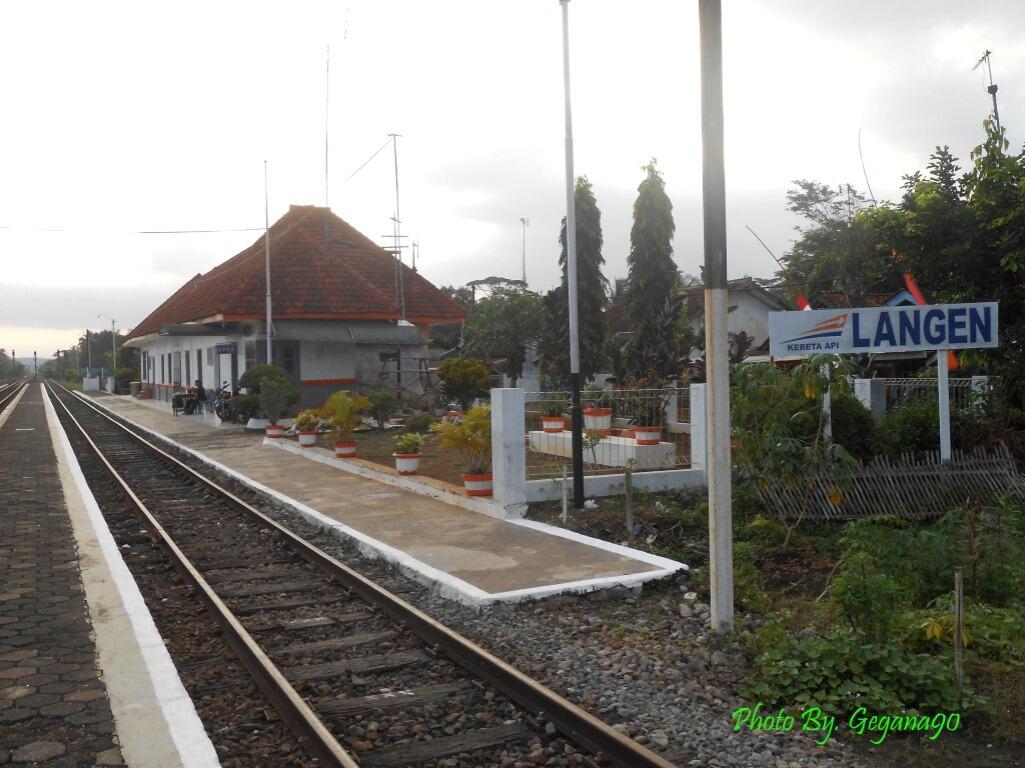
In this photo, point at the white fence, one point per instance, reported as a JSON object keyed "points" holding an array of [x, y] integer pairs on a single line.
{"points": [[672, 460]]}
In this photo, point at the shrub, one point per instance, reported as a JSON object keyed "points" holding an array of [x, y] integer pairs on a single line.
{"points": [[254, 374], [866, 597], [419, 422], [839, 672], [914, 427], [471, 438], [383, 403], [463, 379], [853, 426], [307, 420], [276, 395], [246, 406]]}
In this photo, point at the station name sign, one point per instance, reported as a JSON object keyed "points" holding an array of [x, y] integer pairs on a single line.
{"points": [[883, 329]]}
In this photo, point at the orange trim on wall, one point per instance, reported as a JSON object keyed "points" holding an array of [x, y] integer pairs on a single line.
{"points": [[317, 382]]}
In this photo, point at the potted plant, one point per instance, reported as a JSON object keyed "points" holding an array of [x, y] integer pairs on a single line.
{"points": [[342, 411], [597, 410], [552, 419], [306, 424], [647, 406], [471, 438], [276, 395], [250, 384], [407, 452]]}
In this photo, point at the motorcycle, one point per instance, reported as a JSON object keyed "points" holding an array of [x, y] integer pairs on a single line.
{"points": [[222, 403]]}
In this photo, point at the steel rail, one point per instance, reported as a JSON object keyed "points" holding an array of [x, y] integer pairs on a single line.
{"points": [[314, 736], [9, 392], [573, 722]]}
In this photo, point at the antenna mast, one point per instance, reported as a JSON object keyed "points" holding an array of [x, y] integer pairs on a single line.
{"points": [[992, 89], [397, 230], [526, 223]]}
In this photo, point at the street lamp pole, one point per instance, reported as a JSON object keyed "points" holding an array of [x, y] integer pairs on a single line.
{"points": [[571, 278]]}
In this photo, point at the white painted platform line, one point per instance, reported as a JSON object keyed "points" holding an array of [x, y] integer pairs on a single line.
{"points": [[447, 585], [183, 724]]}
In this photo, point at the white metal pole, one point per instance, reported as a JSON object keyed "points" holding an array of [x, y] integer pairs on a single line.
{"points": [[827, 405], [720, 502], [943, 371], [113, 355], [571, 276], [266, 255]]}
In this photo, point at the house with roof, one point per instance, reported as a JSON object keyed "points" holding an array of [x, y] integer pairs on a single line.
{"points": [[749, 303], [345, 314]]}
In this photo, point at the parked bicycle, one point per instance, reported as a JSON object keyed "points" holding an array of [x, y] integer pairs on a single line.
{"points": [[223, 405]]}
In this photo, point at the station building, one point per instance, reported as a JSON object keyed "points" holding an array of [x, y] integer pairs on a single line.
{"points": [[344, 315]]}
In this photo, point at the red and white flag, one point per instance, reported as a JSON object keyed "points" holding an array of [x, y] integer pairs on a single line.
{"points": [[802, 303]]}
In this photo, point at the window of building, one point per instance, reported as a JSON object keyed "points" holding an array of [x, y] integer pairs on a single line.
{"points": [[286, 354], [176, 369], [210, 356], [163, 378], [188, 370], [199, 366]]}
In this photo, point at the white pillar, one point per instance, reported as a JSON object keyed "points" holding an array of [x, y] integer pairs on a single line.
{"points": [[942, 368], [508, 450], [872, 394], [698, 431]]}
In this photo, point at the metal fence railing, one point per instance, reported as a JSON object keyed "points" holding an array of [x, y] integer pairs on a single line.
{"points": [[905, 391], [647, 429]]}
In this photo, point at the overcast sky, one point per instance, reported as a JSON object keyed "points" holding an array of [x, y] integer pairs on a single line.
{"points": [[121, 117]]}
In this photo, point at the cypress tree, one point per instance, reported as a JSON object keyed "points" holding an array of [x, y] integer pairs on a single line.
{"points": [[652, 288], [592, 286]]}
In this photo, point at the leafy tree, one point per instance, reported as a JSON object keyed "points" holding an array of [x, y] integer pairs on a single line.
{"points": [[10, 368], [839, 249], [463, 379], [592, 286], [506, 325], [653, 301]]}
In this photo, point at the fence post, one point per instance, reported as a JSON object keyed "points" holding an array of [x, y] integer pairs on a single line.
{"points": [[508, 450], [698, 429], [872, 394]]}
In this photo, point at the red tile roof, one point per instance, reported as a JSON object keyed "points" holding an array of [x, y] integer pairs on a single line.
{"points": [[349, 277]]}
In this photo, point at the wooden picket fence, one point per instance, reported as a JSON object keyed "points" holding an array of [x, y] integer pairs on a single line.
{"points": [[912, 487]]}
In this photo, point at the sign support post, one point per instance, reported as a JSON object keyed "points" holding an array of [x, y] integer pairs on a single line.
{"points": [[717, 364], [942, 371]]}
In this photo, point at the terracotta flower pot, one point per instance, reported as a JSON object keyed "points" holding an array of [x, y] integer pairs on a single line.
{"points": [[307, 437], [477, 485], [647, 435], [553, 423], [598, 419], [407, 463], [345, 449], [275, 431]]}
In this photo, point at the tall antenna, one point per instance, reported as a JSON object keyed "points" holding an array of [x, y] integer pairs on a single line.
{"points": [[327, 121], [416, 252], [526, 223], [266, 255], [863, 172], [992, 89], [397, 230]]}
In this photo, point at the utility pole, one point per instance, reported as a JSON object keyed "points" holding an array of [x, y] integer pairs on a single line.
{"points": [[397, 230], [571, 278], [89, 352], [720, 512], [35, 367], [526, 223]]}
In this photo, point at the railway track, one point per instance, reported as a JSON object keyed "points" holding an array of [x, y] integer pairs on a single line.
{"points": [[360, 677], [10, 391]]}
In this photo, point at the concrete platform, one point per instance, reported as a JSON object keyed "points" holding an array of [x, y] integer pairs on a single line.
{"points": [[465, 555], [76, 685]]}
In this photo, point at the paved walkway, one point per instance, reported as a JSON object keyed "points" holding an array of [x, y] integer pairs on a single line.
{"points": [[492, 555], [54, 708]]}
